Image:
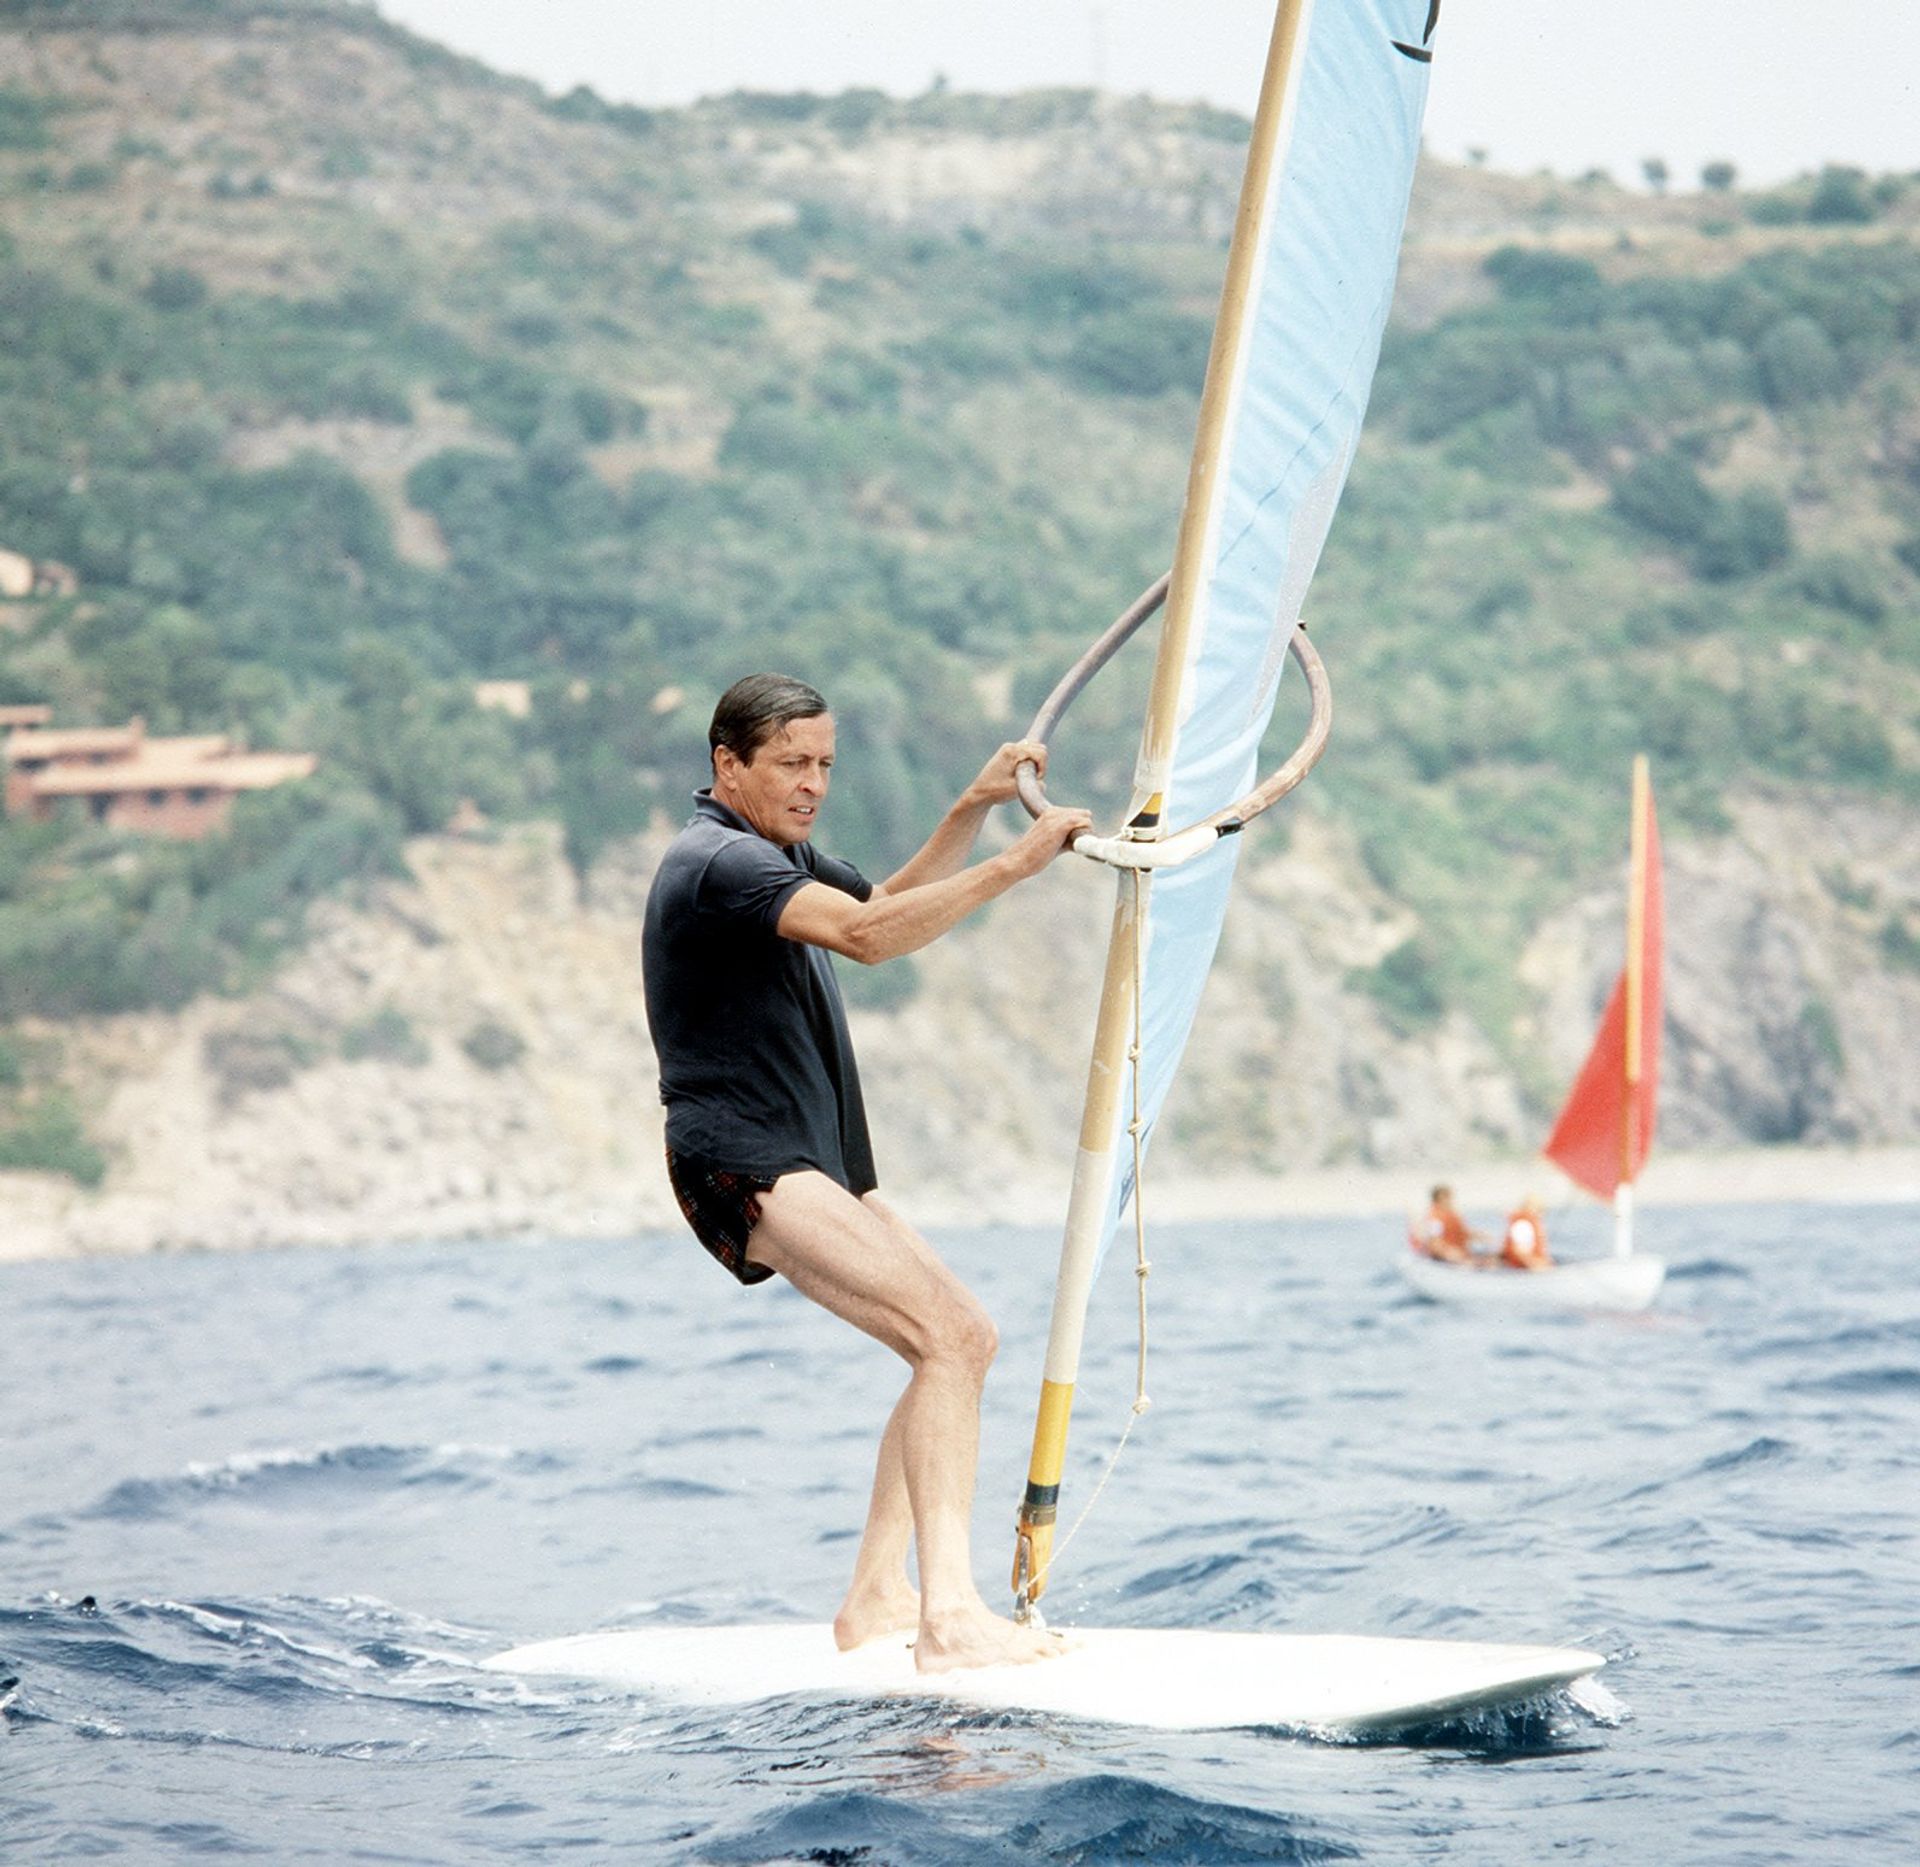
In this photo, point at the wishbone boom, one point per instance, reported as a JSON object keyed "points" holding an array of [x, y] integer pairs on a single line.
{"points": [[1177, 846]]}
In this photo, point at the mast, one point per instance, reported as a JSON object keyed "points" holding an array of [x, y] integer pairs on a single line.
{"points": [[1090, 1201], [1632, 1051], [1308, 287], [1604, 1131]]}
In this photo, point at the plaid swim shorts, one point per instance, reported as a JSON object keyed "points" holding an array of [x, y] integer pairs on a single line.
{"points": [[723, 1207]]}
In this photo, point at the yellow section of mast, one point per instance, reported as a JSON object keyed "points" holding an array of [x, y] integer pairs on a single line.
{"points": [[1086, 1214], [1093, 1176]]}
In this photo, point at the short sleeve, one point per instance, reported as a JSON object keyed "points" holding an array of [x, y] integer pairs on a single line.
{"points": [[748, 882], [837, 874]]}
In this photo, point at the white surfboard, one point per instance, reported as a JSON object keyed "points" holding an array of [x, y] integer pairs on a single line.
{"points": [[1165, 1679], [1599, 1283]]}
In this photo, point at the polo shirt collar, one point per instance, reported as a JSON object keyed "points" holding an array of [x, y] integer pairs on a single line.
{"points": [[705, 804]]}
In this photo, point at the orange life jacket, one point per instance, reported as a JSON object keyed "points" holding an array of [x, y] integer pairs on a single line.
{"points": [[1516, 1249]]}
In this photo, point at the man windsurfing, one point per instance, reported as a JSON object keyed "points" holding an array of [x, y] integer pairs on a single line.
{"points": [[767, 1144]]}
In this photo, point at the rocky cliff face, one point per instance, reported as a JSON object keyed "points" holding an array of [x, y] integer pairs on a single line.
{"points": [[466, 1053]]}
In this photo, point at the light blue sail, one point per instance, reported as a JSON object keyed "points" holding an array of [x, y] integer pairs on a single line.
{"points": [[1347, 140]]}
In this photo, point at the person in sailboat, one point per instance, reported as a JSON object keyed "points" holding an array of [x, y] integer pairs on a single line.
{"points": [[1444, 1233], [767, 1145], [1525, 1245]]}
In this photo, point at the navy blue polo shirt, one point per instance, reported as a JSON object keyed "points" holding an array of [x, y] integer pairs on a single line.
{"points": [[756, 1067]]}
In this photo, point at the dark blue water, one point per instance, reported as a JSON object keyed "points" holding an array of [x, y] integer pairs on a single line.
{"points": [[259, 1515]]}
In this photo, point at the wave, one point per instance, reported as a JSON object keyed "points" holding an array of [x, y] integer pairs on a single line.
{"points": [[1187, 1579], [1702, 1270], [1855, 1339], [1094, 1818], [1861, 1381], [290, 1474], [330, 1676], [1755, 1452], [1758, 1451]]}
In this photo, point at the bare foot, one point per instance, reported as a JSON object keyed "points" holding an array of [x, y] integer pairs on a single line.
{"points": [[871, 1614], [979, 1637]]}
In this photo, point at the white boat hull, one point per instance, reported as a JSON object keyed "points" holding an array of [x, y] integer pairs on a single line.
{"points": [[1596, 1283]]}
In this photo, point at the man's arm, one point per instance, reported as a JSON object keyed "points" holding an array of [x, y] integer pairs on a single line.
{"points": [[948, 848], [897, 920]]}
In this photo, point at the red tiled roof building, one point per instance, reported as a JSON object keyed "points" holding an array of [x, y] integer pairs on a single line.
{"points": [[181, 787]]}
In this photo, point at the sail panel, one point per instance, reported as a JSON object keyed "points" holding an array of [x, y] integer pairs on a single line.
{"points": [[1605, 1131], [1301, 352]]}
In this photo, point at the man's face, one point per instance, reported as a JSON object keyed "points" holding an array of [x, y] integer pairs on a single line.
{"points": [[780, 792]]}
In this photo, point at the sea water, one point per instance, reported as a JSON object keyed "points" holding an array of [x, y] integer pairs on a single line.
{"points": [[260, 1516]]}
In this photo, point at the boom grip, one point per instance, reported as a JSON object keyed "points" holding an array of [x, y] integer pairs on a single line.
{"points": [[1173, 847]]}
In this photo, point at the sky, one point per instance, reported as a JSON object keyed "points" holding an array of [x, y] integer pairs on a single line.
{"points": [[1778, 87]]}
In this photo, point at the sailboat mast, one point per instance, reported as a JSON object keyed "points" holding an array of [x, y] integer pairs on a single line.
{"points": [[1096, 1162], [1632, 1049]]}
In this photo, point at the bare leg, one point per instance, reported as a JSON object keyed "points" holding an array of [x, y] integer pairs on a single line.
{"points": [[880, 1598], [865, 1264]]}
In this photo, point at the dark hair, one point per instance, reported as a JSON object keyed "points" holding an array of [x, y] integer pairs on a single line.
{"points": [[752, 710], [1442, 1191]]}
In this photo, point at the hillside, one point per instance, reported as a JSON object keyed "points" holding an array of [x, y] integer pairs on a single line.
{"points": [[344, 373]]}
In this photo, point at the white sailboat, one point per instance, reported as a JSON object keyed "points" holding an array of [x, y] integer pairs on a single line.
{"points": [[1605, 1130]]}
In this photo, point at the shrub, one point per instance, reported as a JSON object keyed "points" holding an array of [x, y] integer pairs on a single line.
{"points": [[1571, 288], [1798, 364], [244, 1062], [1841, 197], [1065, 291], [46, 1135], [1463, 374], [227, 187], [23, 119], [1752, 533], [346, 158], [775, 437], [493, 1045], [794, 245], [1724, 539], [854, 112], [1851, 744], [1662, 494], [1143, 352], [386, 1037], [969, 352], [1777, 209], [1404, 986], [1844, 583], [1846, 889], [1821, 1029], [1900, 944], [583, 104], [847, 381]]}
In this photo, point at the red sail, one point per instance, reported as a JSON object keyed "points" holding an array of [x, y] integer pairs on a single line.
{"points": [[1606, 1129]]}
